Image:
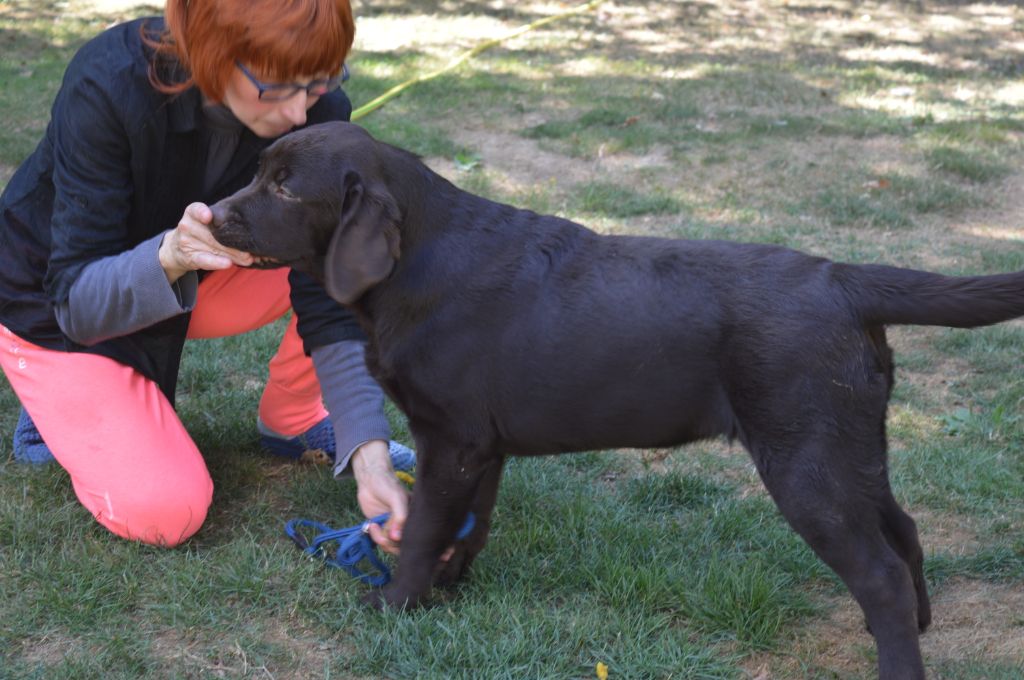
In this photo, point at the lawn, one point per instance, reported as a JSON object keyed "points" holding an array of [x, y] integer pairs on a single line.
{"points": [[867, 132]]}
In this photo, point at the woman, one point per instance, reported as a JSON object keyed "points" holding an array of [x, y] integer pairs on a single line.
{"points": [[107, 264]]}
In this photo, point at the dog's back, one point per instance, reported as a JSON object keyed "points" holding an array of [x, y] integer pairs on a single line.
{"points": [[570, 340]]}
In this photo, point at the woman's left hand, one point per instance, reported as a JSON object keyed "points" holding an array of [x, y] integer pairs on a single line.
{"points": [[380, 492]]}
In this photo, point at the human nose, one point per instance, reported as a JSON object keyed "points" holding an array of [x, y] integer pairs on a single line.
{"points": [[294, 108]]}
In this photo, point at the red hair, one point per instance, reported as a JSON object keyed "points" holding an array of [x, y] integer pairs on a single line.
{"points": [[279, 40]]}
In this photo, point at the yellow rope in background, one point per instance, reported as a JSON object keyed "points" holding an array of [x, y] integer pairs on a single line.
{"points": [[396, 90]]}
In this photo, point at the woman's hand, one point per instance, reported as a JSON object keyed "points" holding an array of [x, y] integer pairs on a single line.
{"points": [[190, 246], [380, 492]]}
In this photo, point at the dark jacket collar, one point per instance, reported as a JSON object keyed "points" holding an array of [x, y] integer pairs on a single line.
{"points": [[183, 112]]}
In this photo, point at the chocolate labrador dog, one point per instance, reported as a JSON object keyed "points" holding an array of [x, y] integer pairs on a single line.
{"points": [[500, 332]]}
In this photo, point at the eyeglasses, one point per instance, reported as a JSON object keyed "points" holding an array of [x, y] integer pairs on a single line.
{"points": [[278, 92]]}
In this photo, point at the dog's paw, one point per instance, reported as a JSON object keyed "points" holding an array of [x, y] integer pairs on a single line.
{"points": [[391, 598], [454, 570], [375, 599], [449, 573], [924, 619]]}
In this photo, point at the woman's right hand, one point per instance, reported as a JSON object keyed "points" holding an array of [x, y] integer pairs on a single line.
{"points": [[190, 246]]}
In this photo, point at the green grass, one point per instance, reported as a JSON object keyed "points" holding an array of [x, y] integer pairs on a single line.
{"points": [[893, 202], [614, 200], [791, 127], [971, 165]]}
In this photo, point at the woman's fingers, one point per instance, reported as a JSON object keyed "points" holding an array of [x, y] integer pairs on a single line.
{"points": [[191, 246]]}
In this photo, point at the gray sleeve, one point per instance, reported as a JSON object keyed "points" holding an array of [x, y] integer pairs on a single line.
{"points": [[353, 398], [124, 293]]}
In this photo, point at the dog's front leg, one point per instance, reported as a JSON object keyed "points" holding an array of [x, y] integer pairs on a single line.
{"points": [[449, 572], [447, 479]]}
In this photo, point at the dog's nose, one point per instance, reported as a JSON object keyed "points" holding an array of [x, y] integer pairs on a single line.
{"points": [[221, 214]]}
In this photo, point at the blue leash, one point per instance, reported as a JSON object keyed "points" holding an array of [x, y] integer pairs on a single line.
{"points": [[354, 546]]}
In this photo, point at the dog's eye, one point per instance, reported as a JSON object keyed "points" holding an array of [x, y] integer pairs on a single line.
{"points": [[280, 177], [283, 192]]}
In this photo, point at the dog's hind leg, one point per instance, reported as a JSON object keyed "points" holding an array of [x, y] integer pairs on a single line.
{"points": [[901, 533], [838, 504]]}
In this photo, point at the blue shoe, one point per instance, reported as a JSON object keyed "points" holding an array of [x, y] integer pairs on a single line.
{"points": [[317, 445], [403, 459], [29, 446]]}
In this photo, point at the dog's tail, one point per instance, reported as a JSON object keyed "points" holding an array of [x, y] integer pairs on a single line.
{"points": [[891, 295]]}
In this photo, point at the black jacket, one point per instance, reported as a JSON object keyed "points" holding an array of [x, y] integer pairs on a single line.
{"points": [[118, 164]]}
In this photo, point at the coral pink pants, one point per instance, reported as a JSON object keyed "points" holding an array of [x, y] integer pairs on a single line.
{"points": [[132, 464]]}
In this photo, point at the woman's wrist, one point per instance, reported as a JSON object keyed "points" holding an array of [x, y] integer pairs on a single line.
{"points": [[168, 261], [370, 458]]}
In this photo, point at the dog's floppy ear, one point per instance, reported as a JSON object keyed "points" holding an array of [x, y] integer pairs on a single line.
{"points": [[364, 247]]}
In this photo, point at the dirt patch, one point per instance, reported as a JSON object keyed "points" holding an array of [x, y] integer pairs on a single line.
{"points": [[50, 649], [515, 163], [974, 619], [952, 535], [971, 620], [225, 658], [1002, 218], [835, 645], [939, 375]]}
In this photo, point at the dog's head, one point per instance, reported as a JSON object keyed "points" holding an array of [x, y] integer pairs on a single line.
{"points": [[318, 204]]}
